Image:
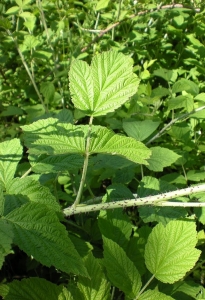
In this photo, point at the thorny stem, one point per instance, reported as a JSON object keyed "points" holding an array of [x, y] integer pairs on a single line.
{"points": [[102, 32], [157, 200], [174, 121], [85, 166]]}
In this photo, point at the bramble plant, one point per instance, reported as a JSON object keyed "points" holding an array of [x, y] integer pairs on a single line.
{"points": [[93, 196]]}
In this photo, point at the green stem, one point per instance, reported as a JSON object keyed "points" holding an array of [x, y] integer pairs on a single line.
{"points": [[85, 166], [157, 200], [144, 287], [28, 71]]}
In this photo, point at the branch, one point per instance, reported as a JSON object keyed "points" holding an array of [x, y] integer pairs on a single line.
{"points": [[158, 200], [102, 32]]}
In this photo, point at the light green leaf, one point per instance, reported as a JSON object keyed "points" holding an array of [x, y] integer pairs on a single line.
{"points": [[196, 175], [6, 238], [102, 4], [153, 294], [139, 130], [30, 42], [161, 158], [105, 85], [170, 251], [12, 10], [182, 101], [200, 97], [121, 271], [52, 137], [35, 289], [38, 232], [105, 141], [185, 85], [10, 153], [96, 287], [34, 191], [48, 90], [164, 73]]}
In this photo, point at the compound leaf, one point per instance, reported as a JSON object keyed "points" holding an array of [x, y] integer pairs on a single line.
{"points": [[170, 251], [38, 232], [6, 238]]}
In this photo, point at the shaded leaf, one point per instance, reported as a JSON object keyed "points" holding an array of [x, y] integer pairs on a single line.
{"points": [[38, 232], [161, 158]]}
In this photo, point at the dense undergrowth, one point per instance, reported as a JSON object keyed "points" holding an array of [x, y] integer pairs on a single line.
{"points": [[102, 150]]}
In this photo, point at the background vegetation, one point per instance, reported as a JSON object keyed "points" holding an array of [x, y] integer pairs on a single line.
{"points": [[146, 252]]}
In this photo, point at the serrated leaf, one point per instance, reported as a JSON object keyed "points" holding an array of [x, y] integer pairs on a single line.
{"points": [[34, 191], [170, 251], [6, 238], [35, 289], [96, 287], [139, 130], [52, 137], [10, 153], [153, 294], [13, 201], [105, 85], [121, 271], [105, 141], [55, 163], [5, 23], [161, 158], [38, 232]]}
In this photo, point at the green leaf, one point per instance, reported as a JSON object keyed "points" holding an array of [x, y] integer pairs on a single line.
{"points": [[164, 73], [12, 10], [115, 225], [35, 289], [6, 238], [105, 85], [10, 152], [48, 90], [182, 101], [30, 42], [105, 141], [52, 137], [161, 158], [154, 294], [38, 232], [34, 191], [170, 251], [139, 130], [11, 111], [185, 85], [96, 287], [102, 4], [196, 175], [121, 271], [55, 163]]}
